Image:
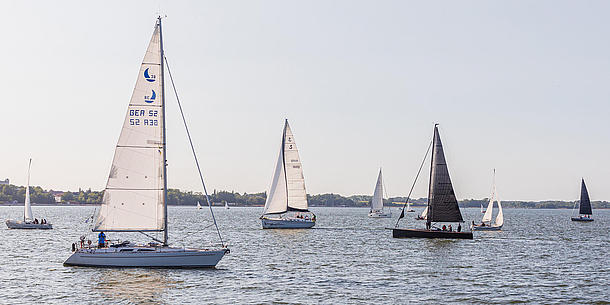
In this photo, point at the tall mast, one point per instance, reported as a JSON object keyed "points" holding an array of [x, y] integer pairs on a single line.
{"points": [[429, 215], [284, 160], [165, 231]]}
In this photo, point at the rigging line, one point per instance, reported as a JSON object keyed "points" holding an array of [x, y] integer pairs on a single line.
{"points": [[207, 197], [413, 185]]}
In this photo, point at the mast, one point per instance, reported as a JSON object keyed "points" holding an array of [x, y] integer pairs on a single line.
{"points": [[27, 208], [429, 214], [163, 135], [284, 160]]}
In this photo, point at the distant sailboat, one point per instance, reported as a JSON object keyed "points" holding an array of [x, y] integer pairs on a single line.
{"points": [[28, 222], [409, 209], [486, 224], [377, 210], [198, 206], [286, 206], [482, 209], [135, 198], [226, 205], [442, 202], [585, 211], [424, 215]]}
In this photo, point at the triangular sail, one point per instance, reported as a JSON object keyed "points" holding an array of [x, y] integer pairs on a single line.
{"points": [[27, 207], [500, 217], [134, 195], [442, 201], [489, 211], [297, 195], [585, 203], [377, 201], [424, 214], [287, 191]]}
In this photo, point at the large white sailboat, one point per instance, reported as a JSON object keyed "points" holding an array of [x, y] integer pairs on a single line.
{"points": [[135, 198], [286, 206], [377, 210], [486, 224], [28, 222]]}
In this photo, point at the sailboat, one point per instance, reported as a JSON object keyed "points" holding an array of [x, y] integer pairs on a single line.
{"points": [[377, 210], [442, 202], [226, 205], [409, 209], [584, 209], [486, 224], [482, 209], [28, 221], [198, 206], [423, 216], [135, 198], [286, 206]]}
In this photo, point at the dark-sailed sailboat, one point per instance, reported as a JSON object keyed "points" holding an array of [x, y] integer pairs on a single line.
{"points": [[584, 209], [442, 203]]}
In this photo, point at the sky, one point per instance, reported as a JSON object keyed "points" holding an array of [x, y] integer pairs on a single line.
{"points": [[519, 86]]}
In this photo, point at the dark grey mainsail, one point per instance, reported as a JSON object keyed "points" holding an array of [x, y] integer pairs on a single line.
{"points": [[442, 204], [585, 203]]}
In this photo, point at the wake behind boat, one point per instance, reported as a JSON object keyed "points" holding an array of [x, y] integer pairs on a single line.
{"points": [[135, 198], [377, 210], [486, 224], [28, 222], [286, 206], [442, 203], [584, 210]]}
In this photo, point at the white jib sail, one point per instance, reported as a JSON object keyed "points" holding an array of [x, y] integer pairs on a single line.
{"points": [[27, 207], [424, 214], [134, 194], [377, 200], [277, 198], [500, 217]]}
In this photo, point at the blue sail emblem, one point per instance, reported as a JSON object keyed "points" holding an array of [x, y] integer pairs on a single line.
{"points": [[149, 77], [151, 98]]}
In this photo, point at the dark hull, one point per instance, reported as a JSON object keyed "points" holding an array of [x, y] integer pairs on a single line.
{"points": [[412, 233], [581, 219]]}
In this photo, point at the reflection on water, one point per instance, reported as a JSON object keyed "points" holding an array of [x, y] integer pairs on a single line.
{"points": [[137, 286]]}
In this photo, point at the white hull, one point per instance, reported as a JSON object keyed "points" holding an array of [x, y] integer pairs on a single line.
{"points": [[380, 214], [17, 224], [269, 223], [147, 257], [485, 228]]}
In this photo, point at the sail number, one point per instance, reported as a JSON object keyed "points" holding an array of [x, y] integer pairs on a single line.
{"points": [[135, 120]]}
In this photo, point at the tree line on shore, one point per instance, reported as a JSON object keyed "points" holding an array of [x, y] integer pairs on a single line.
{"points": [[16, 194]]}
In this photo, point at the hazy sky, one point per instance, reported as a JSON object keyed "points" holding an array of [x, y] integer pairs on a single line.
{"points": [[522, 86]]}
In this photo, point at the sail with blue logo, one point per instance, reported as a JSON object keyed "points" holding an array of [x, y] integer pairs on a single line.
{"points": [[134, 195]]}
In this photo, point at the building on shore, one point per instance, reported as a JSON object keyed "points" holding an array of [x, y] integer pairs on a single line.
{"points": [[5, 181]]}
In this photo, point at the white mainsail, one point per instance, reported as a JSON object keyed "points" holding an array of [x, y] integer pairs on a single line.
{"points": [[287, 191], [377, 200], [27, 207], [489, 211], [134, 195]]}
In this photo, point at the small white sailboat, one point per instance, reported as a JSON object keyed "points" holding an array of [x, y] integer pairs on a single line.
{"points": [[482, 209], [198, 206], [584, 207], [423, 216], [486, 224], [135, 198], [409, 209], [286, 206], [226, 205], [28, 222], [377, 210]]}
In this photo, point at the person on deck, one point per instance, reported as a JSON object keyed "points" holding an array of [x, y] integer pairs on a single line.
{"points": [[101, 242], [459, 228], [444, 228], [450, 228]]}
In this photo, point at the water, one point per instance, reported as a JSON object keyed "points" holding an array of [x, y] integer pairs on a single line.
{"points": [[539, 257]]}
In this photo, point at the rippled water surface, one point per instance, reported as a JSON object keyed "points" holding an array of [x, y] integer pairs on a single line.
{"points": [[540, 256]]}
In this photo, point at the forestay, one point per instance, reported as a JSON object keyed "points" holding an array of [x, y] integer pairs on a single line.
{"points": [[443, 205], [134, 195], [377, 201]]}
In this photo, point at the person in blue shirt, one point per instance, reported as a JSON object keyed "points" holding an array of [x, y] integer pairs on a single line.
{"points": [[101, 243]]}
